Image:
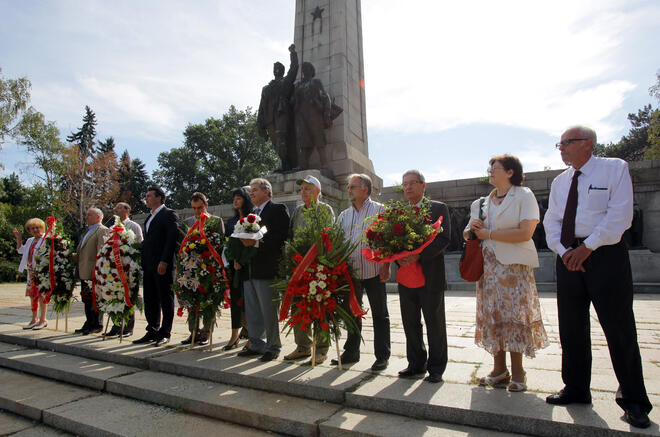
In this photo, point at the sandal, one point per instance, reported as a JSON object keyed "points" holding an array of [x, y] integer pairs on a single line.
{"points": [[495, 381], [230, 346], [518, 386]]}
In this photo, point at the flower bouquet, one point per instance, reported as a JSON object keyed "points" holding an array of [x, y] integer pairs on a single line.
{"points": [[53, 274], [117, 275], [398, 231], [319, 281], [248, 227], [201, 284]]}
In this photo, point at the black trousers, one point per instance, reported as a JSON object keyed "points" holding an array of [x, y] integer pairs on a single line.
{"points": [[93, 319], [607, 283], [158, 298], [237, 308], [381, 319], [430, 301]]}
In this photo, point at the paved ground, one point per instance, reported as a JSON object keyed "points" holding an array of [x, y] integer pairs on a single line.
{"points": [[466, 361]]}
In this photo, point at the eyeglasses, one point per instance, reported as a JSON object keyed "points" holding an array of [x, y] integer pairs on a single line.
{"points": [[492, 169], [410, 184], [568, 141]]}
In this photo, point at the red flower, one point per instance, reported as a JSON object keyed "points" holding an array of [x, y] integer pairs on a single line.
{"points": [[397, 228], [251, 218], [241, 220], [206, 254], [297, 257], [371, 234], [416, 209], [179, 312], [211, 269]]}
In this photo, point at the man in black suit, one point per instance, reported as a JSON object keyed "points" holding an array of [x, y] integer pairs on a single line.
{"points": [[160, 240], [430, 298], [261, 312]]}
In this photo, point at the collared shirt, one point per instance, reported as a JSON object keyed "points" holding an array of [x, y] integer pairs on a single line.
{"points": [[132, 226], [153, 214], [89, 232], [260, 208], [298, 220], [355, 224], [605, 204]]}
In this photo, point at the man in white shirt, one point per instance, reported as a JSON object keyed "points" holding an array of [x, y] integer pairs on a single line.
{"points": [[372, 276], [590, 207]]}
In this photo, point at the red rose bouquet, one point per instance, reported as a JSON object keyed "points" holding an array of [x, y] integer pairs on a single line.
{"points": [[201, 280], [401, 230]]}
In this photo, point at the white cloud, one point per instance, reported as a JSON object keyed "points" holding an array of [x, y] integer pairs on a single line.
{"points": [[518, 63]]}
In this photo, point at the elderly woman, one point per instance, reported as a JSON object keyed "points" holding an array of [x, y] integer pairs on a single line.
{"points": [[36, 227], [508, 311], [242, 207]]}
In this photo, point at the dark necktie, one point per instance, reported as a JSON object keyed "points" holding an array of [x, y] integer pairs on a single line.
{"points": [[568, 223]]}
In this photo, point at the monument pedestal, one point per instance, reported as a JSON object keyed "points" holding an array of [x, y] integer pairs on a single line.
{"points": [[286, 189]]}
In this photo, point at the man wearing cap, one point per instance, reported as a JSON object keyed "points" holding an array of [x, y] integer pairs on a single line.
{"points": [[310, 191]]}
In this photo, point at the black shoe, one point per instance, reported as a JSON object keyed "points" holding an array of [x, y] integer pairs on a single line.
{"points": [[345, 359], [162, 341], [126, 334], [379, 365], [187, 340], [97, 330], [434, 378], [269, 356], [565, 398], [148, 338], [203, 341], [248, 353], [636, 417], [410, 372], [81, 330], [113, 331]]}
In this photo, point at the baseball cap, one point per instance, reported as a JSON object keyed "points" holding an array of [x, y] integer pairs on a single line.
{"points": [[310, 180]]}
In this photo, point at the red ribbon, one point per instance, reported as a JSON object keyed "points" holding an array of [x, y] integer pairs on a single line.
{"points": [[307, 260], [116, 254], [50, 221], [96, 309]]}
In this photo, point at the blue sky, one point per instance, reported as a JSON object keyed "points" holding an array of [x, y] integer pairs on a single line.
{"points": [[448, 84]]}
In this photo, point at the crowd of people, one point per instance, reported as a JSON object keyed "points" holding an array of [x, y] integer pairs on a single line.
{"points": [[590, 207]]}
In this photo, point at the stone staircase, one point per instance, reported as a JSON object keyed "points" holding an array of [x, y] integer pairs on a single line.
{"points": [[88, 386]]}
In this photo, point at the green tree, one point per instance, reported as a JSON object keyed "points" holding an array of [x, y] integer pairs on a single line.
{"points": [[216, 156], [12, 191], [42, 140], [633, 146], [107, 146], [653, 151], [140, 181], [14, 100]]}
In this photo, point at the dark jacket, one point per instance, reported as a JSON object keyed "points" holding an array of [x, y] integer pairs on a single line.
{"points": [[276, 219], [432, 257], [160, 241]]}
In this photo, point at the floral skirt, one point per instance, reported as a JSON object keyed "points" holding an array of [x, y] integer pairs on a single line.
{"points": [[508, 309]]}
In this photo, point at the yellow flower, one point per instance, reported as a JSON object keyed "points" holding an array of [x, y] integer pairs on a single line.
{"points": [[204, 266], [191, 245], [203, 241]]}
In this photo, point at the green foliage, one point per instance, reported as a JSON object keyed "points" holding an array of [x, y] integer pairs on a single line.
{"points": [[85, 137], [14, 99], [653, 151], [632, 146], [9, 272], [216, 156]]}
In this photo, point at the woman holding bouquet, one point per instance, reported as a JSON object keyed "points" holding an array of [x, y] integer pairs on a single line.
{"points": [[508, 316], [242, 207], [36, 227]]}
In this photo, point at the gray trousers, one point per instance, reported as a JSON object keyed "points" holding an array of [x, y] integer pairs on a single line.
{"points": [[262, 313]]}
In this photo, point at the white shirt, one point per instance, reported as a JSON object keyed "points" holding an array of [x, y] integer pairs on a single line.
{"points": [[605, 204], [24, 251], [153, 214], [261, 207], [132, 226], [354, 224]]}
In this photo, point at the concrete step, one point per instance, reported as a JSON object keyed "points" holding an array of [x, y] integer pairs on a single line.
{"points": [[460, 404], [17, 426], [86, 412], [241, 406]]}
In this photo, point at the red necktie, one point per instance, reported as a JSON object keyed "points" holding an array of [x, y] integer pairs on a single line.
{"points": [[568, 223]]}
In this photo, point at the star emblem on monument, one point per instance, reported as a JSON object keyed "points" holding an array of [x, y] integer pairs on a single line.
{"points": [[316, 13]]}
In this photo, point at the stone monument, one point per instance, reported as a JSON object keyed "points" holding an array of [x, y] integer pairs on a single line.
{"points": [[328, 34]]}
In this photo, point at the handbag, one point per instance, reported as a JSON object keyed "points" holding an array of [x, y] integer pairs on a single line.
{"points": [[471, 266]]}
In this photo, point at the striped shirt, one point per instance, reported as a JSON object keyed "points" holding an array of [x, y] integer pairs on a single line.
{"points": [[355, 224]]}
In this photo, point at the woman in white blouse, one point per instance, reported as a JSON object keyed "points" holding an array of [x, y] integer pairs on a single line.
{"points": [[508, 316], [36, 227]]}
